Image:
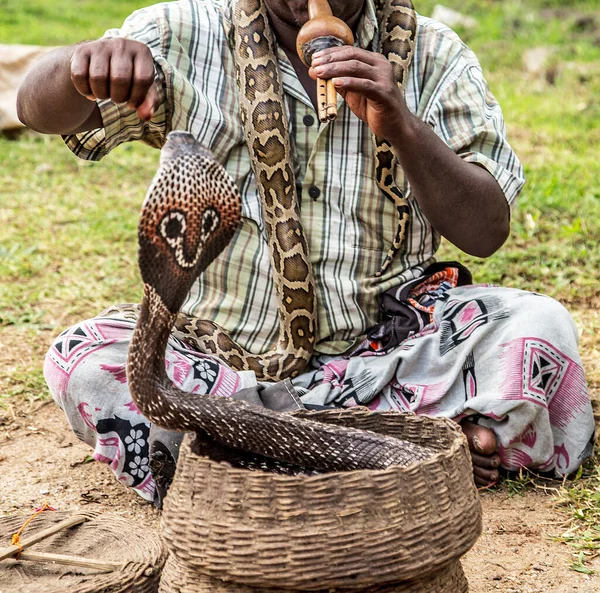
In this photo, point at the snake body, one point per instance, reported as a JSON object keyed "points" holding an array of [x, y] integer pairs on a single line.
{"points": [[190, 214], [266, 126], [266, 131], [398, 23]]}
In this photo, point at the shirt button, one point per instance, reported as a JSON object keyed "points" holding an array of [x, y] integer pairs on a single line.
{"points": [[314, 192], [308, 120]]}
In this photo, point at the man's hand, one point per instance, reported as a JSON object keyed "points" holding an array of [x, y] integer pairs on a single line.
{"points": [[59, 92], [118, 69], [366, 82]]}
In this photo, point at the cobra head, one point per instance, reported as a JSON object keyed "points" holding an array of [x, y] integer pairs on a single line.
{"points": [[191, 211]]}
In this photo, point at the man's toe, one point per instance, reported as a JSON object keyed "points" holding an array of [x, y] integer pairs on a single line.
{"points": [[485, 477], [481, 439], [485, 461]]}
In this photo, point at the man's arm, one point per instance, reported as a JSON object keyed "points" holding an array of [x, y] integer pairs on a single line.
{"points": [[463, 201], [58, 95]]}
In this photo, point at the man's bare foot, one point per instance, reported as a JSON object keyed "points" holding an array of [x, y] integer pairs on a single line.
{"points": [[483, 447]]}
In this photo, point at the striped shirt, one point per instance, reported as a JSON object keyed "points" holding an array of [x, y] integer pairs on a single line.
{"points": [[348, 222]]}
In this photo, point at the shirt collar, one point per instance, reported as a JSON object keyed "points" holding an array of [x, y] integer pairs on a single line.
{"points": [[367, 33]]}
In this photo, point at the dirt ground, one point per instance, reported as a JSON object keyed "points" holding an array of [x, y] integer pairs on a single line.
{"points": [[41, 460]]}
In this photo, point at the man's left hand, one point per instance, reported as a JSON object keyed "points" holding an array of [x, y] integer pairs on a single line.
{"points": [[366, 82]]}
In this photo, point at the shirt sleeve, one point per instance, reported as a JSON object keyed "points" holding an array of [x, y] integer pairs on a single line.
{"points": [[120, 122], [469, 120]]}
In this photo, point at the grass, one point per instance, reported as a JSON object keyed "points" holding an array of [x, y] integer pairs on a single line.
{"points": [[60, 22], [67, 250], [69, 243], [68, 247], [578, 499], [581, 501]]}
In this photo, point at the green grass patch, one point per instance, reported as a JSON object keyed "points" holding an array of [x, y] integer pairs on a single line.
{"points": [[507, 28], [69, 243], [27, 384], [578, 499], [61, 22], [581, 501]]}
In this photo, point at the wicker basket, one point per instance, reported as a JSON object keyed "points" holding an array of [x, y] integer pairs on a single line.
{"points": [[352, 530], [102, 537]]}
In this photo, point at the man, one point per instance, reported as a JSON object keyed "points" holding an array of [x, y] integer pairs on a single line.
{"points": [[502, 362]]}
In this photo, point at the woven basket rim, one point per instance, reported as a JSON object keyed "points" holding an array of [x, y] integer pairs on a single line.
{"points": [[458, 441]]}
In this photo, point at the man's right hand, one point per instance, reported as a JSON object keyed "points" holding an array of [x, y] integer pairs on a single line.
{"points": [[58, 95], [118, 69]]}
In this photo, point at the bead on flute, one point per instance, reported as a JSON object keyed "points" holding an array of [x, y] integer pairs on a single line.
{"points": [[321, 31]]}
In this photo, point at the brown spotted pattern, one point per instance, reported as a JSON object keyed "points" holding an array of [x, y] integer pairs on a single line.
{"points": [[398, 22], [190, 214], [245, 430], [265, 123]]}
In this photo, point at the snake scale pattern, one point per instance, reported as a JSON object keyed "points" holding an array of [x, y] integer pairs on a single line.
{"points": [[192, 211]]}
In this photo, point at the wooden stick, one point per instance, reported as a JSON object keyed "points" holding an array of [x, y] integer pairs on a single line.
{"points": [[38, 537], [322, 30], [322, 99], [71, 560], [331, 101], [326, 100]]}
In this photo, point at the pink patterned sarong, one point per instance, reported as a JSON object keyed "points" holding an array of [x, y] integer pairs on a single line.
{"points": [[505, 357]]}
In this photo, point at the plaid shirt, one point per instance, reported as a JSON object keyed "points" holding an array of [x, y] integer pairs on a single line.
{"points": [[348, 222]]}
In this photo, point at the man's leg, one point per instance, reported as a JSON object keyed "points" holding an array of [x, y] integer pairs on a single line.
{"points": [[503, 358], [85, 371]]}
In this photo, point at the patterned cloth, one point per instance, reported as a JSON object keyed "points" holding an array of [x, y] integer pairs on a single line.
{"points": [[348, 222], [491, 353]]}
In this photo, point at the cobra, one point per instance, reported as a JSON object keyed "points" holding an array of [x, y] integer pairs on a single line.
{"points": [[190, 214]]}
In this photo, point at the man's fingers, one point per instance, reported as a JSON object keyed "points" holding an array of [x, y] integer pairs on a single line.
{"points": [[350, 68], [121, 72], [143, 79], [80, 63], [344, 53], [150, 104], [99, 75], [363, 86]]}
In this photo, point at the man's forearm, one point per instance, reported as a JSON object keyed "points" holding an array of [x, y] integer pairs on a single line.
{"points": [[463, 202], [48, 101]]}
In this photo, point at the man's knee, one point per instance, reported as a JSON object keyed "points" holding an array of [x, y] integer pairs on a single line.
{"points": [[57, 366], [547, 315], [85, 357]]}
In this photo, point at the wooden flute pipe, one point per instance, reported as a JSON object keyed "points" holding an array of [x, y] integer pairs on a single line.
{"points": [[321, 31]]}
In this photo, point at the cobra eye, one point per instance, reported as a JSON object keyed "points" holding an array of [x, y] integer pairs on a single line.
{"points": [[172, 227], [210, 221]]}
